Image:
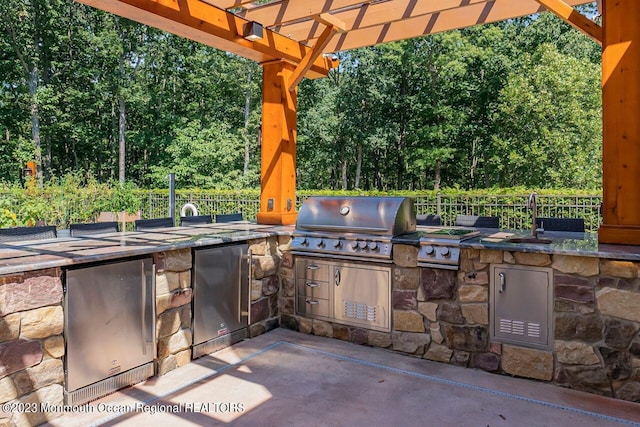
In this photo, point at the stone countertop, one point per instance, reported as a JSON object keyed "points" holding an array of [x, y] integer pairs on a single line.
{"points": [[17, 257], [563, 243]]}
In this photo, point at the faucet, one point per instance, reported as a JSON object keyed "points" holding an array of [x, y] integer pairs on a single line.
{"points": [[532, 204]]}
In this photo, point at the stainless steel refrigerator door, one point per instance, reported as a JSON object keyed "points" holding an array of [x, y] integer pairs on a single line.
{"points": [[220, 291], [109, 320]]}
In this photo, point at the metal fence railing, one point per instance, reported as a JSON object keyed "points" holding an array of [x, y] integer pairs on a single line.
{"points": [[511, 209], [155, 204]]}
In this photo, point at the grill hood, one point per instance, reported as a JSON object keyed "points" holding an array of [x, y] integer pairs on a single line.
{"points": [[380, 216]]}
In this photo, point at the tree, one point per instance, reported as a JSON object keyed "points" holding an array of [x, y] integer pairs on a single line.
{"points": [[549, 119]]}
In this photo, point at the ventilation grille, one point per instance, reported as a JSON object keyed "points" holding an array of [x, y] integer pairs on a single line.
{"points": [[520, 328], [108, 385], [354, 310]]}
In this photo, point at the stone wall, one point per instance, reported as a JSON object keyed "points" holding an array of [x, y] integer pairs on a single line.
{"points": [[443, 315], [266, 299], [173, 309], [174, 296], [31, 344]]}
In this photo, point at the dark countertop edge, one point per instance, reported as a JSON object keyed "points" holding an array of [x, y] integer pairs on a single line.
{"points": [[57, 261]]}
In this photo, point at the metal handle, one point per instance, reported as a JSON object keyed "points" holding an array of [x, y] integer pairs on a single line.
{"points": [[143, 317], [312, 284], [312, 302], [336, 277], [249, 279], [312, 267], [503, 283], [154, 314], [147, 327]]}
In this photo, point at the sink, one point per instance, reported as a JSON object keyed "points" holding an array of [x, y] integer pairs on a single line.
{"points": [[530, 240]]}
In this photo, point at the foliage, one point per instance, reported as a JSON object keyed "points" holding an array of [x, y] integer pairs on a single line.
{"points": [[516, 103]]}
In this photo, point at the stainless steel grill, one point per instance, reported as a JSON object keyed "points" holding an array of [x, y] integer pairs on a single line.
{"points": [[354, 228], [332, 230]]}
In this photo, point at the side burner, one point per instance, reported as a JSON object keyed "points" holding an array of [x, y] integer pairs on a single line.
{"points": [[440, 248]]}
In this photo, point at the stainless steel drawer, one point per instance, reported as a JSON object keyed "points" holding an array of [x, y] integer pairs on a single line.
{"points": [[313, 288], [313, 306], [313, 270]]}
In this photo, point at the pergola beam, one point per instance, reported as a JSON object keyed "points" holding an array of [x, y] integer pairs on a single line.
{"points": [[461, 17], [574, 18], [311, 56], [199, 21], [331, 21], [273, 14], [228, 4], [621, 128], [365, 16]]}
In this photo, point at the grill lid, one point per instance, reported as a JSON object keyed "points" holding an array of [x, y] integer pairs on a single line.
{"points": [[381, 216]]}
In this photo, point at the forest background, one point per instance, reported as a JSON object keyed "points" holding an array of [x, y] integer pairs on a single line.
{"points": [[516, 103]]}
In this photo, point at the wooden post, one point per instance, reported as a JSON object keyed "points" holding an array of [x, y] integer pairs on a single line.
{"points": [[278, 150], [621, 123]]}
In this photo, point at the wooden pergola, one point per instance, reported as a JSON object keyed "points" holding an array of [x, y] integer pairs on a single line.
{"points": [[294, 39]]}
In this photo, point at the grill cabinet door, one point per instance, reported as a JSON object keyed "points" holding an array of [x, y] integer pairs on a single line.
{"points": [[362, 295], [521, 302]]}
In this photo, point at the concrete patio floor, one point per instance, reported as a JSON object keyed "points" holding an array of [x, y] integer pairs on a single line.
{"points": [[284, 378]]}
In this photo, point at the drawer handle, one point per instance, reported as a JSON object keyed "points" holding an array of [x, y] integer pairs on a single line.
{"points": [[312, 267], [503, 283], [312, 284], [312, 302]]}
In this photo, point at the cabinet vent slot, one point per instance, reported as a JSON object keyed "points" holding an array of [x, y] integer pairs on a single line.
{"points": [[517, 327], [354, 310], [533, 330], [513, 327]]}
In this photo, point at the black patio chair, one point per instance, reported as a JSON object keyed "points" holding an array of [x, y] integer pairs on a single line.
{"points": [[28, 233], [430, 219], [89, 228], [150, 224], [229, 217], [561, 224], [478, 221], [195, 219]]}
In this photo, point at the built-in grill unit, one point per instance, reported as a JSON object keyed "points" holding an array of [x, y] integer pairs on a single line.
{"points": [[343, 248], [440, 247], [352, 228]]}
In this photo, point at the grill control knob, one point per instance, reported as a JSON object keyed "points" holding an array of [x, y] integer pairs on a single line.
{"points": [[337, 244], [304, 242], [320, 243], [354, 244], [373, 246], [363, 245], [445, 251], [428, 250]]}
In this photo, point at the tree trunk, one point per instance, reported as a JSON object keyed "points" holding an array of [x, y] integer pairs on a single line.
{"points": [[35, 124], [121, 126], [474, 162], [436, 179], [358, 167], [247, 106], [344, 169]]}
